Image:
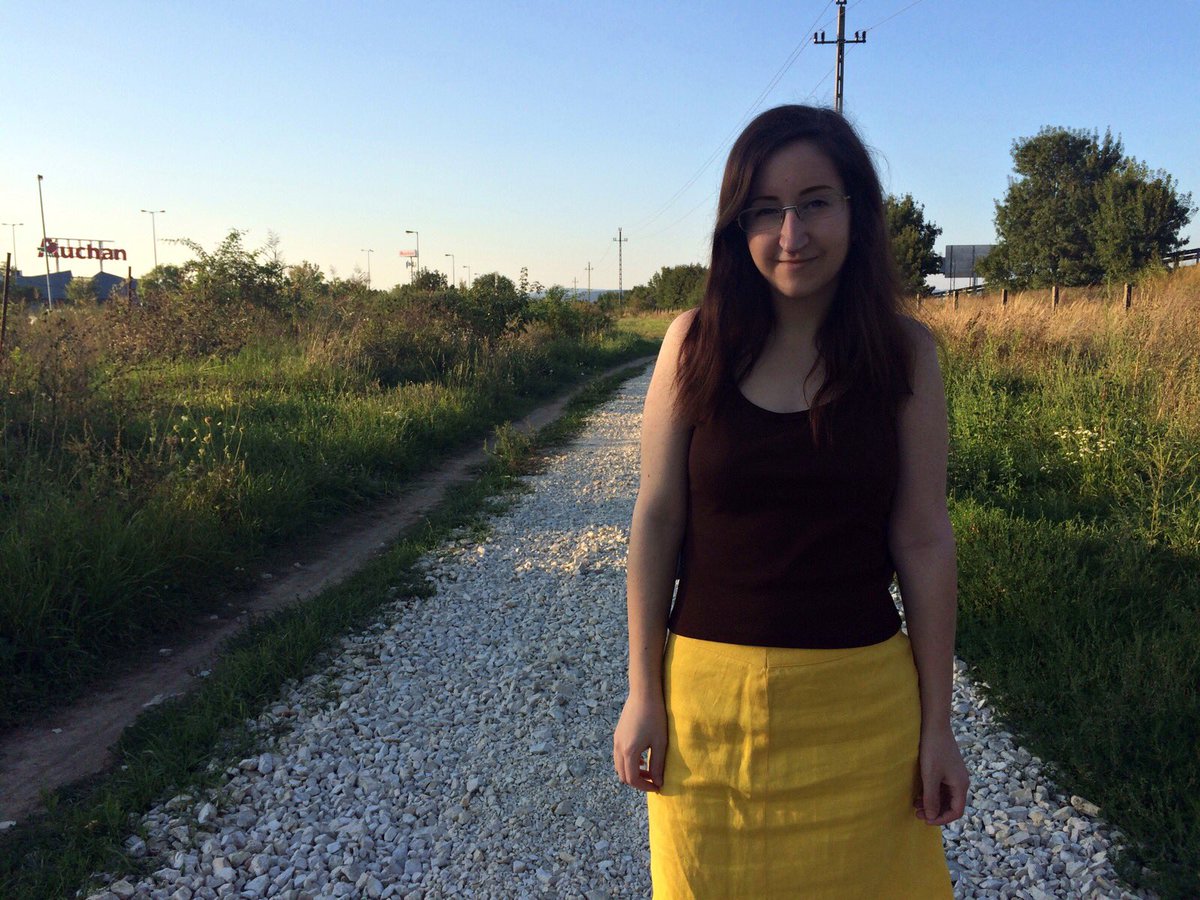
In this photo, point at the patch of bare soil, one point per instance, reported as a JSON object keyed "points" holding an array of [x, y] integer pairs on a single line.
{"points": [[74, 742]]}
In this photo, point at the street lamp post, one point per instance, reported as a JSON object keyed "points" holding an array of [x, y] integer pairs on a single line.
{"points": [[45, 249], [14, 226], [453, 271], [418, 234], [154, 231], [368, 252], [468, 268]]}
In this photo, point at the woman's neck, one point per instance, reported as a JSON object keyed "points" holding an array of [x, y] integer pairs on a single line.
{"points": [[797, 322]]}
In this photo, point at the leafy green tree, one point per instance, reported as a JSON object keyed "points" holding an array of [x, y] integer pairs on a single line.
{"points": [[491, 309], [677, 287], [161, 278], [1138, 219], [1080, 211], [232, 275], [562, 316], [430, 280], [609, 301], [304, 287], [81, 292], [912, 240]]}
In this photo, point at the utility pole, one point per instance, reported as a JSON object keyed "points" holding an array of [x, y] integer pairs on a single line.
{"points": [[589, 271], [860, 37], [574, 288], [621, 241]]}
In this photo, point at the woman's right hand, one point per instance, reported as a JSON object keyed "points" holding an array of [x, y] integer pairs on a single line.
{"points": [[641, 728]]}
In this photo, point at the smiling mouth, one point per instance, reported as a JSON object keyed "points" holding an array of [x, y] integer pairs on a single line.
{"points": [[793, 262]]}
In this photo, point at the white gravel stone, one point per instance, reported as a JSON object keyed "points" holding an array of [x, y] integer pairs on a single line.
{"points": [[461, 745]]}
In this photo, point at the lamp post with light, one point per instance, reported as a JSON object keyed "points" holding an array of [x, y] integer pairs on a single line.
{"points": [[368, 252], [154, 231], [468, 268], [418, 234], [45, 248], [453, 271], [13, 226]]}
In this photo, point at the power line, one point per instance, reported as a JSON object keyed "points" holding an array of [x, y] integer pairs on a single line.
{"points": [[723, 146], [893, 15], [703, 200]]}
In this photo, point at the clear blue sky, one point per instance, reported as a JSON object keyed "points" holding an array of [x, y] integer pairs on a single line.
{"points": [[525, 133]]}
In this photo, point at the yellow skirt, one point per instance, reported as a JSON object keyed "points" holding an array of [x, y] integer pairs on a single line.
{"points": [[792, 773]]}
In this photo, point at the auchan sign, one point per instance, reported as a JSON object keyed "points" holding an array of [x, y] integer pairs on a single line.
{"points": [[52, 248]]}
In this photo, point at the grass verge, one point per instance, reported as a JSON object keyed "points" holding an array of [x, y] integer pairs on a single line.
{"points": [[1075, 496], [186, 745], [142, 520]]}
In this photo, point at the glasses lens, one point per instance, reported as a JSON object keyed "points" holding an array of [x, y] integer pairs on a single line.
{"points": [[820, 205], [760, 218], [813, 208]]}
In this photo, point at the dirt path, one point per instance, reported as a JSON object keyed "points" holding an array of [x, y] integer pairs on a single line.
{"points": [[73, 742]]}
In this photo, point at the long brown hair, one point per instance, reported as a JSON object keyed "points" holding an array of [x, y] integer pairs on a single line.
{"points": [[860, 342]]}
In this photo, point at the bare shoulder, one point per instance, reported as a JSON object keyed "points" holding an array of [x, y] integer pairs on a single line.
{"points": [[678, 329], [668, 353], [917, 336], [922, 348]]}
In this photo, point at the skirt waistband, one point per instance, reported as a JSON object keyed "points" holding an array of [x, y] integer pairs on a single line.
{"points": [[787, 657]]}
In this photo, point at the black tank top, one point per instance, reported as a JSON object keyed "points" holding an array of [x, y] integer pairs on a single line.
{"points": [[786, 541]]}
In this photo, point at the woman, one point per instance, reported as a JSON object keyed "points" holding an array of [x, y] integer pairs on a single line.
{"points": [[794, 448]]}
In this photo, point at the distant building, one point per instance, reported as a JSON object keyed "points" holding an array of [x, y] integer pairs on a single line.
{"points": [[103, 284]]}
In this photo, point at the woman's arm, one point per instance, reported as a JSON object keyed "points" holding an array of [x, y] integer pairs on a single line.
{"points": [[654, 540], [921, 542]]}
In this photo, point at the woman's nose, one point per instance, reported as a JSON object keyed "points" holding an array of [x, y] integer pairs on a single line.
{"points": [[793, 234]]}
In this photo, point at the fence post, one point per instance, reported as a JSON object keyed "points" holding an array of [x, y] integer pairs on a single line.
{"points": [[1054, 296], [1004, 297], [1128, 295], [7, 279], [956, 299]]}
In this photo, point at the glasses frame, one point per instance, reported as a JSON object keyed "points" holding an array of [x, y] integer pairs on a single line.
{"points": [[801, 217]]}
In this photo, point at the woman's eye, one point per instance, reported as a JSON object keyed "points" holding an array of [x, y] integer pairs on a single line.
{"points": [[764, 213]]}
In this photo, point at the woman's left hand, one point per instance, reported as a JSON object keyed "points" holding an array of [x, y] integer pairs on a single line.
{"points": [[944, 778]]}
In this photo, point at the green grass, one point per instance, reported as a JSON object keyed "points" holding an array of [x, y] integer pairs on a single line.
{"points": [[185, 745], [1076, 508], [159, 493]]}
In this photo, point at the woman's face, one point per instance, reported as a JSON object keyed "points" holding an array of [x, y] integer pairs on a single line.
{"points": [[801, 260]]}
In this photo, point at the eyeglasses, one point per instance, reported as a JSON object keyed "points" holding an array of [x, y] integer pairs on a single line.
{"points": [[815, 207]]}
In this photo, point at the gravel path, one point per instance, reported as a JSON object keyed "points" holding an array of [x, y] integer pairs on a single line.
{"points": [[462, 746]]}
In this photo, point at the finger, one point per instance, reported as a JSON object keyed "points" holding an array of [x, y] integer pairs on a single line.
{"points": [[946, 813], [658, 763], [632, 762], [626, 768], [930, 793], [958, 799]]}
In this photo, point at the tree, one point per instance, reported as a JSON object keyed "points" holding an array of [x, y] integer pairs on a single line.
{"points": [[912, 242], [677, 287], [1138, 219], [430, 280], [1081, 211], [81, 292], [491, 308], [304, 286], [232, 275]]}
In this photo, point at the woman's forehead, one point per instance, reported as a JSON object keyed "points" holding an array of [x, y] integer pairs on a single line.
{"points": [[795, 167]]}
